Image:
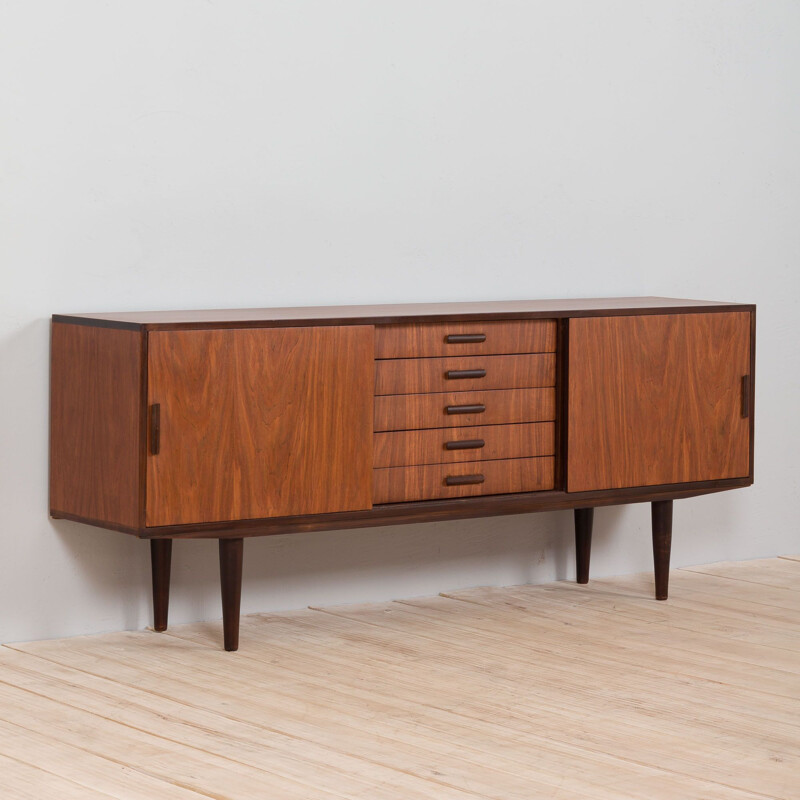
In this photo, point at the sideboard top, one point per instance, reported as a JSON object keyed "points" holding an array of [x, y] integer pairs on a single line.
{"points": [[406, 312]]}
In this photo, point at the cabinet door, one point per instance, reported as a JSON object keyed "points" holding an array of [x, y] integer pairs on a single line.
{"points": [[259, 422], [657, 399]]}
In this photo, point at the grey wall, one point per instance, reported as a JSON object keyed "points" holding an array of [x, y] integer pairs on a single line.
{"points": [[186, 154]]}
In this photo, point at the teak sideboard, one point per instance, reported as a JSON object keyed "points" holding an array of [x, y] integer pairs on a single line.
{"points": [[228, 424]]}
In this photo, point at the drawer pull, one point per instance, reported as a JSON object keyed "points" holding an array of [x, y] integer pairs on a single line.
{"points": [[461, 480], [465, 444], [476, 408], [455, 374], [465, 338]]}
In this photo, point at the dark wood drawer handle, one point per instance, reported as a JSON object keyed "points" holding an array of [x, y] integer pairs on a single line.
{"points": [[465, 444], [455, 374], [465, 338], [460, 480], [477, 408]]}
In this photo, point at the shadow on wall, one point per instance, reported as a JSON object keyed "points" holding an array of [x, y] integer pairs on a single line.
{"points": [[326, 568], [354, 566], [114, 567]]}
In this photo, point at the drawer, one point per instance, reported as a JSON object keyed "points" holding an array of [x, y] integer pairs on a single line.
{"points": [[405, 484], [477, 443], [415, 340], [461, 373], [454, 409]]}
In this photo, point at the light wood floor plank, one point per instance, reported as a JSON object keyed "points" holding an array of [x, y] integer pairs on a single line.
{"points": [[718, 585], [642, 647], [693, 618], [557, 691], [358, 726], [691, 589], [21, 781], [333, 723], [308, 717], [566, 604], [641, 664], [775, 572], [256, 746], [508, 705], [59, 761], [169, 761], [761, 745]]}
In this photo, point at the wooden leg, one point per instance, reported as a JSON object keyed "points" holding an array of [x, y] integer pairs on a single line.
{"points": [[230, 573], [160, 562], [583, 542], [662, 542]]}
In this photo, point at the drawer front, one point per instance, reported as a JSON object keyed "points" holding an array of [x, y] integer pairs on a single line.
{"points": [[477, 443], [415, 340], [458, 374], [407, 484], [456, 409]]}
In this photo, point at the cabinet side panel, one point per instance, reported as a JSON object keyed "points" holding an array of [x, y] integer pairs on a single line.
{"points": [[657, 400], [260, 422], [95, 385]]}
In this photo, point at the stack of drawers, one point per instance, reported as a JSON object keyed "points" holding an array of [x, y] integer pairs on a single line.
{"points": [[463, 409]]}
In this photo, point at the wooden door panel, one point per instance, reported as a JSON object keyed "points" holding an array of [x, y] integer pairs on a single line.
{"points": [[657, 399], [260, 422]]}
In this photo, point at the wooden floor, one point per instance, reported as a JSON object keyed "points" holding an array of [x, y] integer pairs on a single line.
{"points": [[528, 692]]}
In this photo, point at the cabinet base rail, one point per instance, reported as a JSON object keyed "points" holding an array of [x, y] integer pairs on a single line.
{"points": [[231, 552]]}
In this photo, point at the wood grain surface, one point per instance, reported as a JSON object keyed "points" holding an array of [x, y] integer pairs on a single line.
{"points": [[260, 423], [412, 375], [441, 510], [397, 312], [415, 340], [95, 424], [414, 411], [409, 448], [657, 400], [403, 484]]}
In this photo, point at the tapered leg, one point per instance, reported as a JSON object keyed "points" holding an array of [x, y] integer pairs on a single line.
{"points": [[662, 543], [160, 562], [230, 574], [583, 542]]}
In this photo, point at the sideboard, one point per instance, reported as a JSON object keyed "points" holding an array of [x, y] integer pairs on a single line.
{"points": [[228, 424]]}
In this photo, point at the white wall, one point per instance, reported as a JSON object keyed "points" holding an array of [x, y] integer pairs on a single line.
{"points": [[185, 154]]}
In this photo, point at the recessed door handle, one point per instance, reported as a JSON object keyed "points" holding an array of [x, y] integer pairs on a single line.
{"points": [[465, 338], [465, 444], [155, 429], [475, 408], [461, 480], [456, 374], [745, 396]]}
